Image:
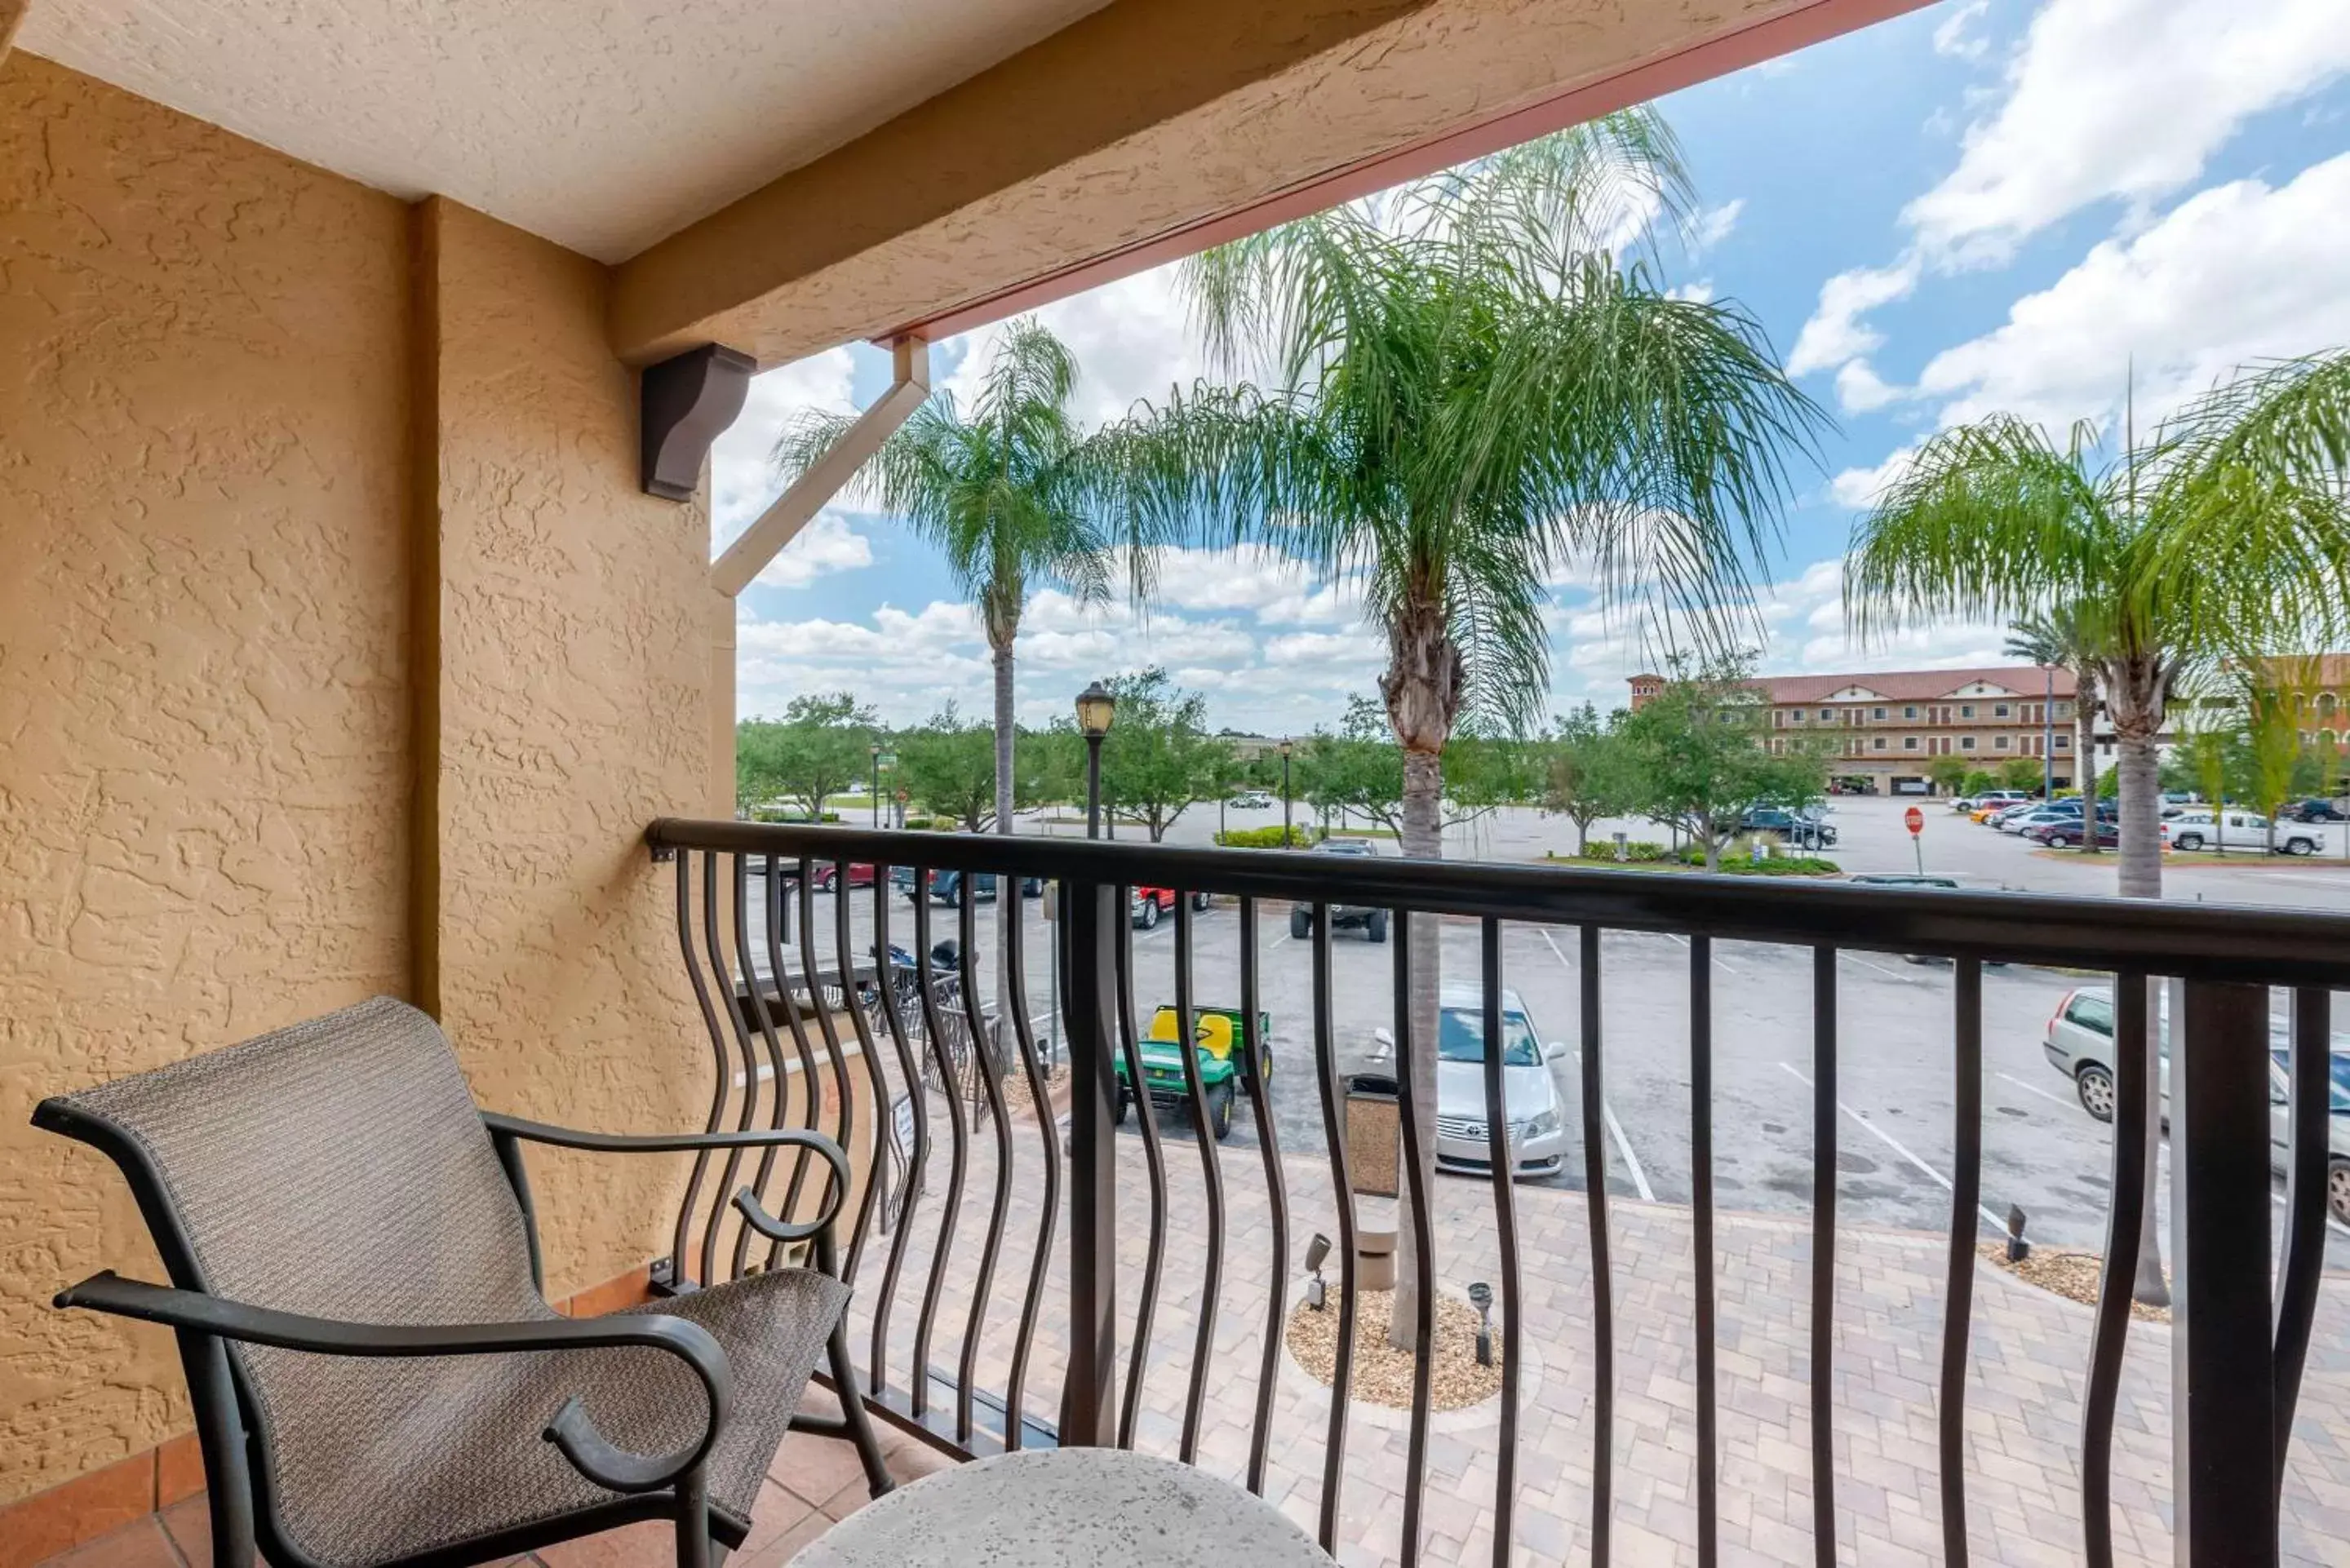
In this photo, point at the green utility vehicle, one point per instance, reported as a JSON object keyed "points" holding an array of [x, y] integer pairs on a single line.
{"points": [[1216, 1036]]}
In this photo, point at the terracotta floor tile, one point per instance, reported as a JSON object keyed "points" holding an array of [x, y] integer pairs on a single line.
{"points": [[648, 1543], [815, 1467], [141, 1543]]}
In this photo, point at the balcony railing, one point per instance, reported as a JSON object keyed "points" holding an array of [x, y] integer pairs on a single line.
{"points": [[829, 1030]]}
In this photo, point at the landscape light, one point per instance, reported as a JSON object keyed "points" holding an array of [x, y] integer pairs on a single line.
{"points": [[1317, 1251], [1480, 1296], [2018, 1249]]}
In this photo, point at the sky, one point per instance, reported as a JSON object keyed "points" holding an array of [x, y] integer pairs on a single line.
{"points": [[2053, 210]]}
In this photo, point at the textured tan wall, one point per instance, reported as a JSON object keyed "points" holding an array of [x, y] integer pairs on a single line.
{"points": [[202, 699], [573, 646]]}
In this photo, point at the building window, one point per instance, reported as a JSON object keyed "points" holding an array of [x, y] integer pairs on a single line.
{"points": [[1965, 742], [1966, 710], [2063, 709], [1778, 719], [1999, 711], [1828, 715], [1797, 717], [2001, 742], [1910, 713], [2063, 740], [1880, 742], [1908, 743]]}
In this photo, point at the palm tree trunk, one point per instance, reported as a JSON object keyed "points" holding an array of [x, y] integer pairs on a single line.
{"points": [[2085, 754], [2133, 692], [1009, 905]]}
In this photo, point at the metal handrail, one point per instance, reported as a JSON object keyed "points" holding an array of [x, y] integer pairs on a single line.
{"points": [[2252, 944]]}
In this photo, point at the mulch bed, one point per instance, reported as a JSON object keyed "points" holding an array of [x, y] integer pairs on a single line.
{"points": [[1383, 1373], [2072, 1275]]}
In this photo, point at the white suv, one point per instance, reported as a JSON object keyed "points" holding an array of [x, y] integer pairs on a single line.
{"points": [[2080, 1045]]}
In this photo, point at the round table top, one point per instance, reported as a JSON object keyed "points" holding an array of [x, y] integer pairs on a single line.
{"points": [[1065, 1508]]}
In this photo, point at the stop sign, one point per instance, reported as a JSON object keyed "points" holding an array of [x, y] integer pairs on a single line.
{"points": [[1914, 818]]}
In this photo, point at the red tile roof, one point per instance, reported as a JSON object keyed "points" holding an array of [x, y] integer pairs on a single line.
{"points": [[1915, 685]]}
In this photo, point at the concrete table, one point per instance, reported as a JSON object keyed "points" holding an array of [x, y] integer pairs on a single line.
{"points": [[1065, 1508]]}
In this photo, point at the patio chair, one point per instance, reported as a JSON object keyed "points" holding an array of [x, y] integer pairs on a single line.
{"points": [[356, 1286]]}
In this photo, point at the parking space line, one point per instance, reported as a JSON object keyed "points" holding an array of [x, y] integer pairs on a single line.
{"points": [[1889, 1141], [1888, 973], [2032, 1088], [1607, 1112]]}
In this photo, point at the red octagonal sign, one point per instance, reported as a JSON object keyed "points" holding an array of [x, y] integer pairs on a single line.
{"points": [[1914, 818]]}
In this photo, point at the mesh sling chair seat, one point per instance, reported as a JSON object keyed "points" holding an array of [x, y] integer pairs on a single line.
{"points": [[377, 1375]]}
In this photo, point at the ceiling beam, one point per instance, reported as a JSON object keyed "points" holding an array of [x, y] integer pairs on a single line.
{"points": [[1151, 127]]}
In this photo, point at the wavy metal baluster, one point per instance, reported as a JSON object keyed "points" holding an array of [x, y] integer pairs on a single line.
{"points": [[1423, 1235], [717, 952], [1957, 1312], [801, 1050], [827, 1030], [1040, 1097], [1824, 1193], [765, 1022], [983, 1061], [1708, 1439], [1211, 1174], [909, 1068], [1334, 1132], [1505, 1223], [2124, 1214], [723, 1076], [1154, 1257], [1260, 1058], [844, 951], [958, 1151], [2306, 1155]]}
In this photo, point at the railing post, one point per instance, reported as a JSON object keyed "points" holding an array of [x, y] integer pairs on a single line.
{"points": [[1088, 995], [2222, 1391]]}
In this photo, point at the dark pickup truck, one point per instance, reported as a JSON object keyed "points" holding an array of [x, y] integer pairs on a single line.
{"points": [[1801, 831]]}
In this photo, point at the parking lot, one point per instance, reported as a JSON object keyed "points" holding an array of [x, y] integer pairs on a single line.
{"points": [[2041, 1152]]}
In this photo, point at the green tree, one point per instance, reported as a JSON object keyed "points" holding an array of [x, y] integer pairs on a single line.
{"points": [[1591, 772], [1013, 499], [2228, 530], [1948, 773], [1702, 752], [1469, 390], [1159, 758], [2272, 749], [2021, 772], [947, 766], [821, 746], [1981, 780]]}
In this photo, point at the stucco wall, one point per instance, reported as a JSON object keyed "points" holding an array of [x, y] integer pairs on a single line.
{"points": [[203, 709], [572, 644]]}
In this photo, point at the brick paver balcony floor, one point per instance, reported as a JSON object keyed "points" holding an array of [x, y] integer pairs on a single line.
{"points": [[2029, 1353]]}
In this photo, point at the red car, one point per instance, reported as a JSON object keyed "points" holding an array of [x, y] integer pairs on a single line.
{"points": [[1145, 905], [828, 875]]}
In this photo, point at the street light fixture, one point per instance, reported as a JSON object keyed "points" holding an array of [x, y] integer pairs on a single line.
{"points": [[1097, 707]]}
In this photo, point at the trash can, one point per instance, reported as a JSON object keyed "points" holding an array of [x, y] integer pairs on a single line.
{"points": [[1374, 1131]]}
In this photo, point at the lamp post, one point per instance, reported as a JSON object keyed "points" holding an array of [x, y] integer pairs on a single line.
{"points": [[1285, 831], [1096, 709], [876, 784]]}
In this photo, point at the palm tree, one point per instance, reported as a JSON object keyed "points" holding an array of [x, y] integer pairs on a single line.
{"points": [[2228, 531], [2064, 637], [1014, 498], [1468, 391]]}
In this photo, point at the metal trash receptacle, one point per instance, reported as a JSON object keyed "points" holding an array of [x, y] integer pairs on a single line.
{"points": [[1374, 1133]]}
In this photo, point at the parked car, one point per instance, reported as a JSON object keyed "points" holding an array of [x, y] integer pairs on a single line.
{"points": [[2239, 832], [946, 887], [1801, 830], [2315, 811], [1538, 1133], [1998, 816], [2080, 1045], [1373, 923], [1926, 880], [2068, 834], [1990, 800], [828, 875], [1145, 905], [2037, 817], [1252, 802]]}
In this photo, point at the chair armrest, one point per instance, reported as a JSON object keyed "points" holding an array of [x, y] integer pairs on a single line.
{"points": [[570, 1428], [745, 1201]]}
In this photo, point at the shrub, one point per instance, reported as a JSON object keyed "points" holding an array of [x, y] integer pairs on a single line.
{"points": [[1299, 837], [1740, 864]]}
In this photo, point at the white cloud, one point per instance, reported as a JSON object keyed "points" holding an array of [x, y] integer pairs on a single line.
{"points": [[2238, 272], [2122, 99], [826, 545], [1714, 225], [1858, 488], [1859, 389], [1954, 34], [1131, 339], [1698, 293], [1835, 332]]}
